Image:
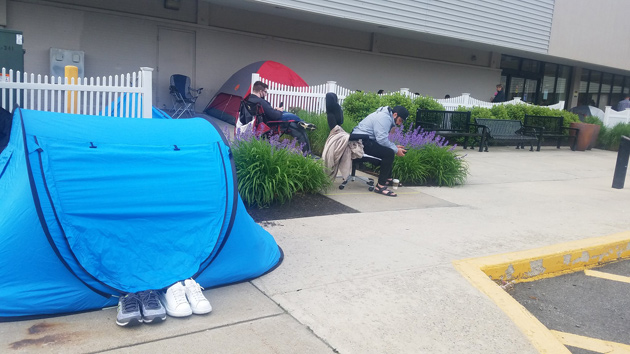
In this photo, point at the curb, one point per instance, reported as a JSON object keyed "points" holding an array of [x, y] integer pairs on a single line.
{"points": [[486, 273]]}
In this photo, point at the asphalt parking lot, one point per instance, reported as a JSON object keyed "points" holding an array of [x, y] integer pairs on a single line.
{"points": [[588, 309]]}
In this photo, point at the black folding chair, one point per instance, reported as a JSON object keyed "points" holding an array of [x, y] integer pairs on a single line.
{"points": [[335, 117], [184, 96]]}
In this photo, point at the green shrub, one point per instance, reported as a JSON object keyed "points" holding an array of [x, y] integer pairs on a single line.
{"points": [[316, 137], [358, 105], [517, 111], [611, 138], [477, 112], [431, 165], [426, 102], [411, 169], [499, 112], [268, 173], [395, 99]]}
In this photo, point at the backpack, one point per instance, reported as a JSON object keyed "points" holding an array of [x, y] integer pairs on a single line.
{"points": [[248, 111]]}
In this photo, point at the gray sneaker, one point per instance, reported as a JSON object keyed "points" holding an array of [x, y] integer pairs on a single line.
{"points": [[307, 126], [129, 310], [152, 309]]}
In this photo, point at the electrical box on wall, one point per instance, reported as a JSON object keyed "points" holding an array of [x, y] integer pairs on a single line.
{"points": [[59, 58], [11, 51]]}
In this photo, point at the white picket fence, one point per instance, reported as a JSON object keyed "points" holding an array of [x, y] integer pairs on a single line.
{"points": [[612, 117], [312, 98], [451, 104], [129, 95], [308, 98]]}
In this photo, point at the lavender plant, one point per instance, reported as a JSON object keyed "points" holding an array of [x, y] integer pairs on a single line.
{"points": [[274, 170], [429, 159], [415, 138]]}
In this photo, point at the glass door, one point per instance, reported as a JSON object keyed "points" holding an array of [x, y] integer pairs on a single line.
{"points": [[529, 90]]}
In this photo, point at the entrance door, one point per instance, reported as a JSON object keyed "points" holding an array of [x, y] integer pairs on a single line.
{"points": [[176, 55], [522, 87]]}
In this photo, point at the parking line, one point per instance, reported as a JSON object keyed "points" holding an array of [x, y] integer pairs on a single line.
{"points": [[486, 273], [592, 344], [598, 274]]}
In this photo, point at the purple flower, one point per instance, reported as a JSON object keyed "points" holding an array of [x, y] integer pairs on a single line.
{"points": [[416, 138], [290, 145]]}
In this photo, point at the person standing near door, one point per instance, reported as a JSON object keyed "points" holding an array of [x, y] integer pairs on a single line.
{"points": [[623, 104], [499, 96]]}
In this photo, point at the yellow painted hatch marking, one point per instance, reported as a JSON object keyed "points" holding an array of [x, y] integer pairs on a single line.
{"points": [[592, 344], [603, 275]]}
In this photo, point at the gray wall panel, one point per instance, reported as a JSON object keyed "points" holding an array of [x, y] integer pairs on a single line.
{"points": [[121, 44], [486, 21]]}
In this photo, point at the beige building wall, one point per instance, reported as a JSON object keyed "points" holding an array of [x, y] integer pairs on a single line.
{"points": [[116, 43], [595, 32]]}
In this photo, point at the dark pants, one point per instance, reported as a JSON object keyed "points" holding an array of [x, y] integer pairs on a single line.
{"points": [[300, 135], [386, 155]]}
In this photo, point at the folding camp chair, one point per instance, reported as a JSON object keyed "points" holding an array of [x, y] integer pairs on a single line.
{"points": [[184, 96], [252, 116]]}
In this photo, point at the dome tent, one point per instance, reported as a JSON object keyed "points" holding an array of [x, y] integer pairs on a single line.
{"points": [[93, 207], [226, 102]]}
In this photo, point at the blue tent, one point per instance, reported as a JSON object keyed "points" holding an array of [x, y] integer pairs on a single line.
{"points": [[123, 108], [92, 207]]}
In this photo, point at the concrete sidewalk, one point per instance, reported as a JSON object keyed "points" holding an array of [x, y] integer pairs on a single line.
{"points": [[380, 281]]}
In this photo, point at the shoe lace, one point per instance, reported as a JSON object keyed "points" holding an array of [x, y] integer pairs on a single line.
{"points": [[179, 294], [196, 291], [130, 302], [150, 299]]}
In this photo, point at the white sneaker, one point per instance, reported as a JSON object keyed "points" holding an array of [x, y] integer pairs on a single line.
{"points": [[198, 302], [174, 301]]}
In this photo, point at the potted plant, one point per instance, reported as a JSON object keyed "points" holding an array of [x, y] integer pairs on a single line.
{"points": [[587, 138]]}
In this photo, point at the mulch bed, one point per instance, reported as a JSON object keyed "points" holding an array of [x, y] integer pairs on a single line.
{"points": [[301, 206]]}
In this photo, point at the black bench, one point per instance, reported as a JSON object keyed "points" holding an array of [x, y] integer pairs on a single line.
{"points": [[500, 130], [552, 128], [450, 124]]}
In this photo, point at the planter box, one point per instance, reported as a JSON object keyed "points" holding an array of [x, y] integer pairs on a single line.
{"points": [[587, 137]]}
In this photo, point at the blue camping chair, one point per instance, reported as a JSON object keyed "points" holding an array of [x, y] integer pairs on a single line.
{"points": [[184, 96]]}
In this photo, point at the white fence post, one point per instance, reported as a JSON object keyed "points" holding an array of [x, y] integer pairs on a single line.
{"points": [[147, 92], [404, 91], [607, 115], [331, 86], [466, 99]]}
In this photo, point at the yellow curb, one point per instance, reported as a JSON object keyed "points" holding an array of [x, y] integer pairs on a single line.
{"points": [[484, 273]]}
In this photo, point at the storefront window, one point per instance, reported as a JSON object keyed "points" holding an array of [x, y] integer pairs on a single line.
{"points": [[562, 89], [532, 66], [509, 62], [548, 85], [582, 94], [604, 96]]}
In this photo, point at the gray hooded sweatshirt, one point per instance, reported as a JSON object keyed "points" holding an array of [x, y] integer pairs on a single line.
{"points": [[377, 126]]}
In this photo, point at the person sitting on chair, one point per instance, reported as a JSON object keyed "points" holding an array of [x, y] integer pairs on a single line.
{"points": [[377, 126], [259, 92], [296, 125]]}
